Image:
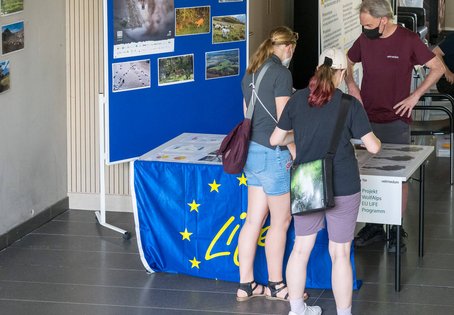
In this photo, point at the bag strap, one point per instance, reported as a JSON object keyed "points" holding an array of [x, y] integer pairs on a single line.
{"points": [[255, 86], [345, 101]]}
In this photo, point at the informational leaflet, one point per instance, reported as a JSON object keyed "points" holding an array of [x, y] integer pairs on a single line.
{"points": [[381, 200], [188, 148]]}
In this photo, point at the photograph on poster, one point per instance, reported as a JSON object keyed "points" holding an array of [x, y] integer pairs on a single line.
{"points": [[12, 37], [130, 75], [4, 76], [143, 27], [222, 1], [223, 63], [11, 6], [191, 21], [229, 28], [176, 69]]}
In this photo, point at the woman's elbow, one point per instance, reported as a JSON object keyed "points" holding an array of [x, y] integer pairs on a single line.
{"points": [[274, 141], [375, 147]]}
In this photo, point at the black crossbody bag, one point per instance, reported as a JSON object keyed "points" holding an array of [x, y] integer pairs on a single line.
{"points": [[311, 183]]}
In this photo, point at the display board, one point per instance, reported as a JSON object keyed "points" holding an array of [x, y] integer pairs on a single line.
{"points": [[172, 66], [340, 27]]}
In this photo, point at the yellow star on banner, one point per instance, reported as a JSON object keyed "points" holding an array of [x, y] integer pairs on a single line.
{"points": [[194, 206], [195, 263], [242, 179], [214, 186], [186, 235]]}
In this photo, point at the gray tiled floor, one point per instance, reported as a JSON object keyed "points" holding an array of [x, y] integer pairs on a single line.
{"points": [[73, 266]]}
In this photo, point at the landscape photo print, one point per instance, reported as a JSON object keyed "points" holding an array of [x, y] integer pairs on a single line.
{"points": [[11, 6]]}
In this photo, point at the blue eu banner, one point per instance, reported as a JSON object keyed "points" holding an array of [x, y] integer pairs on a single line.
{"points": [[189, 216]]}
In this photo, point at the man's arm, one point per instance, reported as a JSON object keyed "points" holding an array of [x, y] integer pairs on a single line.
{"points": [[437, 69], [353, 88], [448, 74]]}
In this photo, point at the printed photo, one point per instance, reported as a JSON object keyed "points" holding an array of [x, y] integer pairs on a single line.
{"points": [[4, 76], [190, 21], [11, 6], [12, 37], [229, 28], [174, 70], [223, 63], [131, 75], [143, 27]]}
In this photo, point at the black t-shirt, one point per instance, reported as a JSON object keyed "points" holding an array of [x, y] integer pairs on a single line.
{"points": [[314, 127], [447, 47]]}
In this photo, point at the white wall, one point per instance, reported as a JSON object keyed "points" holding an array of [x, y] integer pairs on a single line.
{"points": [[33, 116]]}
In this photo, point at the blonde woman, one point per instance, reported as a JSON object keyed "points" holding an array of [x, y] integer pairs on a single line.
{"points": [[267, 167]]}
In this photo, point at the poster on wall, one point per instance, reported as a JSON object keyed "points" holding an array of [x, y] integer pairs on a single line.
{"points": [[12, 37], [223, 63], [192, 21], [130, 75], [176, 69], [143, 27], [11, 6], [4, 76], [229, 28], [340, 27]]}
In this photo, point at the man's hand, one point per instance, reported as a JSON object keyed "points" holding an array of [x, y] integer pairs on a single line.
{"points": [[449, 76], [405, 106]]}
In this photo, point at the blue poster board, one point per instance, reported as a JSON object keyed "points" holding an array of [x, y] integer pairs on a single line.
{"points": [[163, 82]]}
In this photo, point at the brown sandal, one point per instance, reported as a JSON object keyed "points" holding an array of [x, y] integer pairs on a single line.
{"points": [[249, 288], [272, 286]]}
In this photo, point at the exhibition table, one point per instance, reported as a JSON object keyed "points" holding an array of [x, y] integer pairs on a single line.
{"points": [[188, 212], [382, 176]]}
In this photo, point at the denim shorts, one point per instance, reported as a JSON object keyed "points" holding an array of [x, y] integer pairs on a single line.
{"points": [[268, 168]]}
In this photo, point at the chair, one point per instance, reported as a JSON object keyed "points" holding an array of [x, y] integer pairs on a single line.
{"points": [[444, 126], [421, 27], [408, 20]]}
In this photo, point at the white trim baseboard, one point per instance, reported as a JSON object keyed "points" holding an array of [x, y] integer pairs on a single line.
{"points": [[91, 202]]}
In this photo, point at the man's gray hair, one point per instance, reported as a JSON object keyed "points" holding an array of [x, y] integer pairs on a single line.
{"points": [[377, 8]]}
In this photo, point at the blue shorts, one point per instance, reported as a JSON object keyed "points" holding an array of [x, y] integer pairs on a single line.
{"points": [[268, 168]]}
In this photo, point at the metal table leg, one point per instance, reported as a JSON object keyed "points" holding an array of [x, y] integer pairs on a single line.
{"points": [[421, 211], [397, 261]]}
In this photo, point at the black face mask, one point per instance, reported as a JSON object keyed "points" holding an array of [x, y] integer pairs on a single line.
{"points": [[373, 33]]}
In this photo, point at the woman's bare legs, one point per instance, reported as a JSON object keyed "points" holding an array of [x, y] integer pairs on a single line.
{"points": [[257, 212], [342, 276], [297, 265], [276, 238]]}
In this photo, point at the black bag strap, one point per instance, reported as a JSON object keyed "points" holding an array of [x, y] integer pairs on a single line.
{"points": [[255, 86], [345, 101]]}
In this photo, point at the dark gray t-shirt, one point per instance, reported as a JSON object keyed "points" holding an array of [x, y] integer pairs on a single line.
{"points": [[314, 127], [447, 47], [276, 82]]}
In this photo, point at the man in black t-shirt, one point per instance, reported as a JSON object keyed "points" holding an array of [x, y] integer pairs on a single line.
{"points": [[445, 51]]}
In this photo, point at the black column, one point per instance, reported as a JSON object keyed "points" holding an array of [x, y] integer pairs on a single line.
{"points": [[306, 55]]}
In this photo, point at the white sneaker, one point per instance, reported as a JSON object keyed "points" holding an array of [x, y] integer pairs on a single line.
{"points": [[310, 310]]}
